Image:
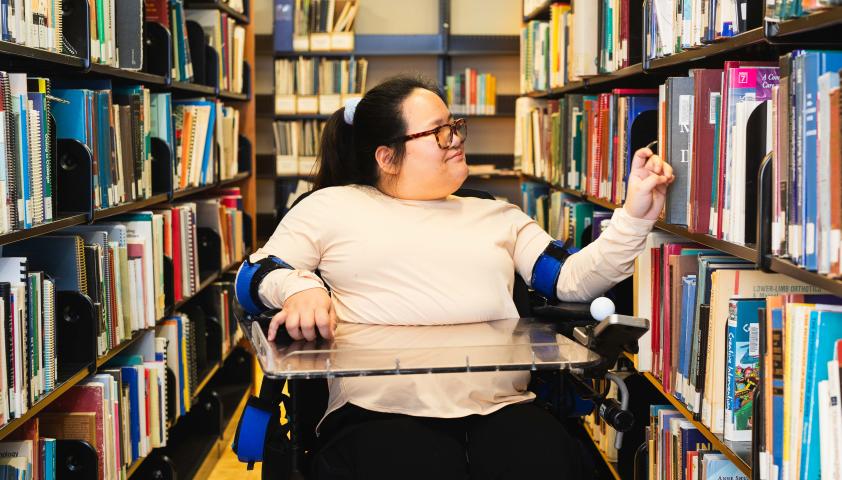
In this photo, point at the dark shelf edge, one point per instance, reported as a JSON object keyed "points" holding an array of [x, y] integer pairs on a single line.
{"points": [[750, 37], [192, 191], [138, 76], [227, 95], [193, 88], [218, 5], [784, 266], [808, 23], [21, 51], [42, 229], [128, 207], [233, 180]]}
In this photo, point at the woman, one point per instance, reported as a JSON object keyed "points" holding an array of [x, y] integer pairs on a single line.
{"points": [[396, 247]]}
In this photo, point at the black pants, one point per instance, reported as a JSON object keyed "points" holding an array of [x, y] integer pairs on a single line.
{"points": [[519, 441]]}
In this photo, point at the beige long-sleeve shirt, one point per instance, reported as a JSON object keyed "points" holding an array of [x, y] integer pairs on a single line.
{"points": [[389, 261]]}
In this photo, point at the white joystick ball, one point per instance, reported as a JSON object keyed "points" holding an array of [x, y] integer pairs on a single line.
{"points": [[601, 308]]}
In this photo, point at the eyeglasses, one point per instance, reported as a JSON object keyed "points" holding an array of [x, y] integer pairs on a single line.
{"points": [[444, 133]]}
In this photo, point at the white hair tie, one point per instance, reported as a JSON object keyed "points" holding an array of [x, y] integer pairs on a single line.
{"points": [[350, 109]]}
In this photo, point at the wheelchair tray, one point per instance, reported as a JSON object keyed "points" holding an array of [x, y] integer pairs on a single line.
{"points": [[369, 350]]}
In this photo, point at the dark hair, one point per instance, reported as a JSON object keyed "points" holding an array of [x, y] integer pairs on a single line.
{"points": [[346, 154]]}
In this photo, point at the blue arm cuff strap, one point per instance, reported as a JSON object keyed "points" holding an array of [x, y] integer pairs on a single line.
{"points": [[548, 267], [248, 281]]}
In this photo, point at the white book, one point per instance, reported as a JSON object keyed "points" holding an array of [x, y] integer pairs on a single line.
{"points": [[835, 417], [827, 82]]}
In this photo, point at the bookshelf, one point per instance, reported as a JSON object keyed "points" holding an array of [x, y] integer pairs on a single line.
{"points": [[80, 67], [767, 40]]}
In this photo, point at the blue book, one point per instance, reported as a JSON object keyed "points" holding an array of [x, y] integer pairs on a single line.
{"points": [[718, 467], [25, 214], [130, 378], [824, 329], [692, 440], [688, 282], [816, 63], [71, 118], [49, 467], [742, 369], [777, 388], [206, 155]]}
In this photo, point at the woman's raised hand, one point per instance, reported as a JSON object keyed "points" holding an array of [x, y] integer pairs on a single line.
{"points": [[647, 188], [304, 313]]}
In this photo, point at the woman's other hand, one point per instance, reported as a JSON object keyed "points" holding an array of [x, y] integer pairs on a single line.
{"points": [[304, 313], [648, 181]]}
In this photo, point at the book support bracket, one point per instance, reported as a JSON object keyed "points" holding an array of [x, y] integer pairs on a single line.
{"points": [[245, 152], [76, 460], [76, 30], [764, 214], [157, 50], [210, 248], [162, 168], [75, 333], [74, 180], [246, 80], [205, 58]]}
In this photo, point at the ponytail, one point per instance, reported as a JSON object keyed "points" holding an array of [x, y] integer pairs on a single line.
{"points": [[337, 165], [346, 153]]}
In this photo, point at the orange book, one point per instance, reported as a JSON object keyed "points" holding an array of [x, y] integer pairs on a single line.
{"points": [[186, 146]]}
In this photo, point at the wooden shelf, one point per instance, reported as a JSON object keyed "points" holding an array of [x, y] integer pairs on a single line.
{"points": [[204, 382], [737, 452], [784, 266], [612, 466]]}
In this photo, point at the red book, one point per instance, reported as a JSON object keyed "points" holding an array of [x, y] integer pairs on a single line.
{"points": [[707, 93], [157, 11], [85, 398], [656, 311], [176, 254]]}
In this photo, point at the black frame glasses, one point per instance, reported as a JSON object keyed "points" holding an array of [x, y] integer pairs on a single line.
{"points": [[458, 127]]}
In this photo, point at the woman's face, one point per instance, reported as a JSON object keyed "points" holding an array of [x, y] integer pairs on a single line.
{"points": [[427, 172]]}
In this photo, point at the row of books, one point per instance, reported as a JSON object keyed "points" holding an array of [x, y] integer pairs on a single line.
{"points": [[220, 31], [317, 85], [678, 450], [671, 27], [125, 409], [228, 39], [116, 33], [296, 146], [471, 93], [564, 217], [118, 124], [119, 265], [317, 25], [714, 127], [719, 329], [34, 24], [783, 9], [568, 47]]}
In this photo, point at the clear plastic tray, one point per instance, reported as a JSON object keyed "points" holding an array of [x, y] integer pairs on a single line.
{"points": [[367, 350]]}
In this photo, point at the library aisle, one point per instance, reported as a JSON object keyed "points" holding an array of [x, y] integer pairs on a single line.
{"points": [[148, 147]]}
